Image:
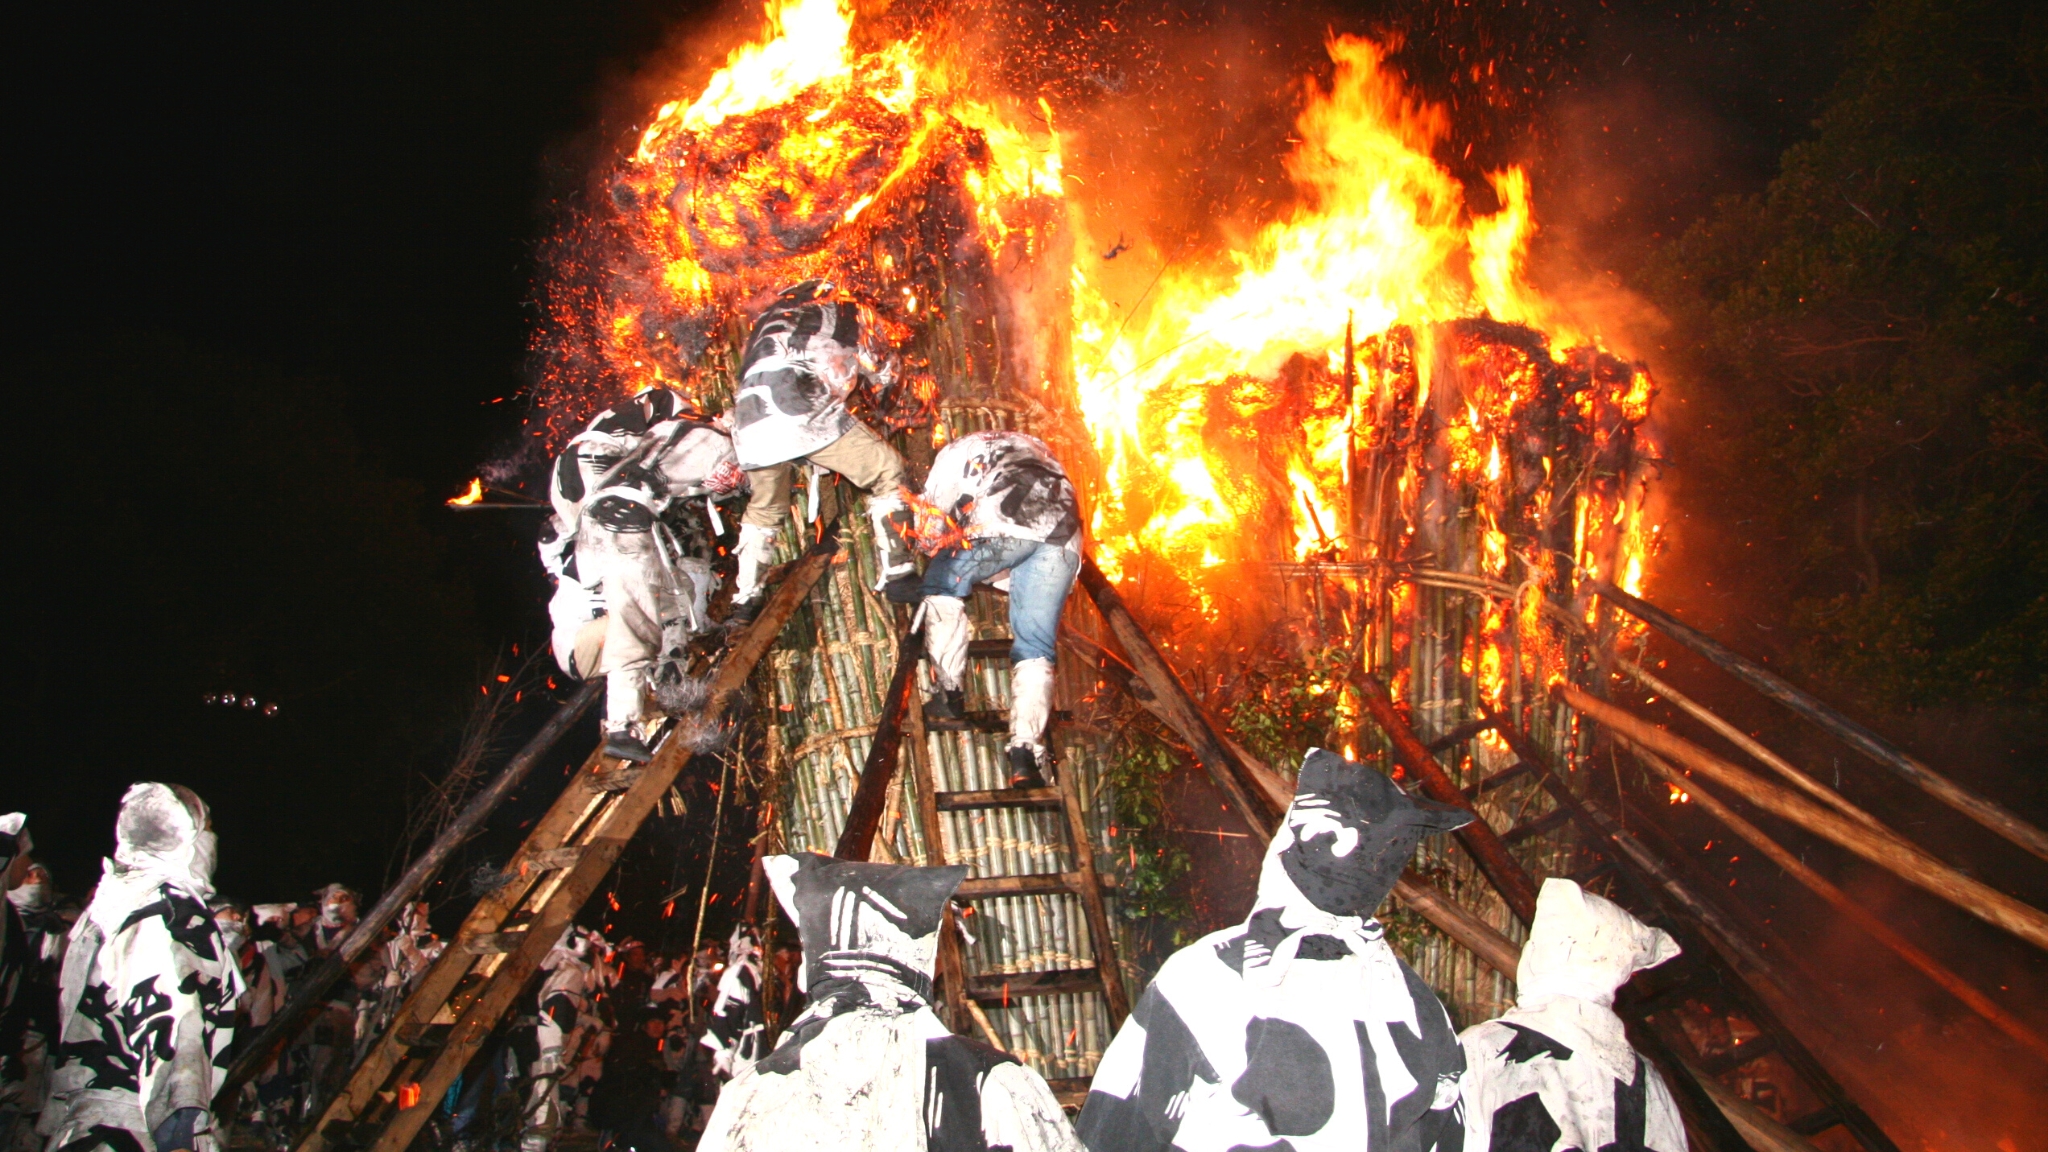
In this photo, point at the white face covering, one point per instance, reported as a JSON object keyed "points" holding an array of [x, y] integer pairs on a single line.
{"points": [[233, 931], [33, 896]]}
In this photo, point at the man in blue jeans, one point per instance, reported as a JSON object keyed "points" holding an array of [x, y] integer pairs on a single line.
{"points": [[1015, 525]]}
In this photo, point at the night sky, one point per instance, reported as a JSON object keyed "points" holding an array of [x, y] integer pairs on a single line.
{"points": [[273, 272]]}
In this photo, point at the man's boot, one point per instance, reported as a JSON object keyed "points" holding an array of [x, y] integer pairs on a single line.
{"points": [[894, 524], [1030, 712], [628, 743]]}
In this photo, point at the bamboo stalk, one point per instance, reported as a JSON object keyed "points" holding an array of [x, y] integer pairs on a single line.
{"points": [[1763, 755], [1983, 811], [1934, 969], [1972, 896]]}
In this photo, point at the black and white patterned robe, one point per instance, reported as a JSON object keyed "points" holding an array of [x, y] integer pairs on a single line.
{"points": [[147, 1000], [1299, 1029], [1005, 484], [738, 1026], [868, 1066], [807, 352], [1556, 1072]]}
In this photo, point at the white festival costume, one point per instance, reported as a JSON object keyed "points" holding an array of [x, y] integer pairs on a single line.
{"points": [[1299, 1029], [147, 1003], [867, 1066], [1556, 1071]]}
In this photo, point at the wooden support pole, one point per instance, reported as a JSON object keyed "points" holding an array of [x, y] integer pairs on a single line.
{"points": [[1983, 811], [1909, 864], [1883, 933], [1502, 870], [1173, 703], [871, 795], [311, 996], [475, 1022], [1749, 744]]}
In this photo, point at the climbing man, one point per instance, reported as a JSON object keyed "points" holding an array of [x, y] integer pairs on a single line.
{"points": [[808, 351], [631, 563], [1010, 520]]}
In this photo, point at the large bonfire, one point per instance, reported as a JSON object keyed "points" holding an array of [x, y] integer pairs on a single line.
{"points": [[1366, 386]]}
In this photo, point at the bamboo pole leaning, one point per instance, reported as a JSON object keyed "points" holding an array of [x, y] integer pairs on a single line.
{"points": [[1934, 969], [1983, 811], [1762, 755], [1909, 864]]}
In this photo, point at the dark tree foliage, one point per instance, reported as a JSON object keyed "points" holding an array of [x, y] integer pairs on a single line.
{"points": [[1865, 348]]}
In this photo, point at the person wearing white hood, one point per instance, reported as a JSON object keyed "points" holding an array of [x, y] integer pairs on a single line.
{"points": [[868, 1066], [1008, 518], [1299, 1029], [629, 591], [1557, 1070], [809, 350], [147, 999]]}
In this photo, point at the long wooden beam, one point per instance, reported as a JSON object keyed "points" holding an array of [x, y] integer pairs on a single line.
{"points": [[871, 794], [1173, 703], [1909, 864], [1502, 870], [1875, 927], [311, 996], [1984, 811]]}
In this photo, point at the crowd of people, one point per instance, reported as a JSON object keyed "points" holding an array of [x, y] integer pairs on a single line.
{"points": [[1298, 1029], [120, 1013]]}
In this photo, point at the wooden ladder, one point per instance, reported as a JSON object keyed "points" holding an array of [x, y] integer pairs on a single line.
{"points": [[465, 994], [902, 726]]}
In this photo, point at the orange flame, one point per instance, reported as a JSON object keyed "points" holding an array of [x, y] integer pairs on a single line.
{"points": [[473, 496]]}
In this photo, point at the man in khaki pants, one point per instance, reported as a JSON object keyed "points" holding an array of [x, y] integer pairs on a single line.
{"points": [[808, 351]]}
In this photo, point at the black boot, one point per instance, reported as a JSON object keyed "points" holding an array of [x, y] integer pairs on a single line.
{"points": [[948, 704], [1024, 771], [622, 744]]}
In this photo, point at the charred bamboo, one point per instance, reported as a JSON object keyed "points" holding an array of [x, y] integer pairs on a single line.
{"points": [[1983, 811], [1934, 969], [1972, 896]]}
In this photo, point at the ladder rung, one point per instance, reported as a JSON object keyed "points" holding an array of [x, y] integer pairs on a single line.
{"points": [[1035, 884], [1536, 827], [988, 649], [425, 1035], [1816, 1122], [492, 943], [994, 987], [994, 720], [1508, 775], [1459, 735], [616, 779], [1742, 1053], [1000, 798], [1071, 1092]]}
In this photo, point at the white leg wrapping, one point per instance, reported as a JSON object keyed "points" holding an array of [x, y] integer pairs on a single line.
{"points": [[892, 554], [947, 631], [755, 547], [1030, 704]]}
